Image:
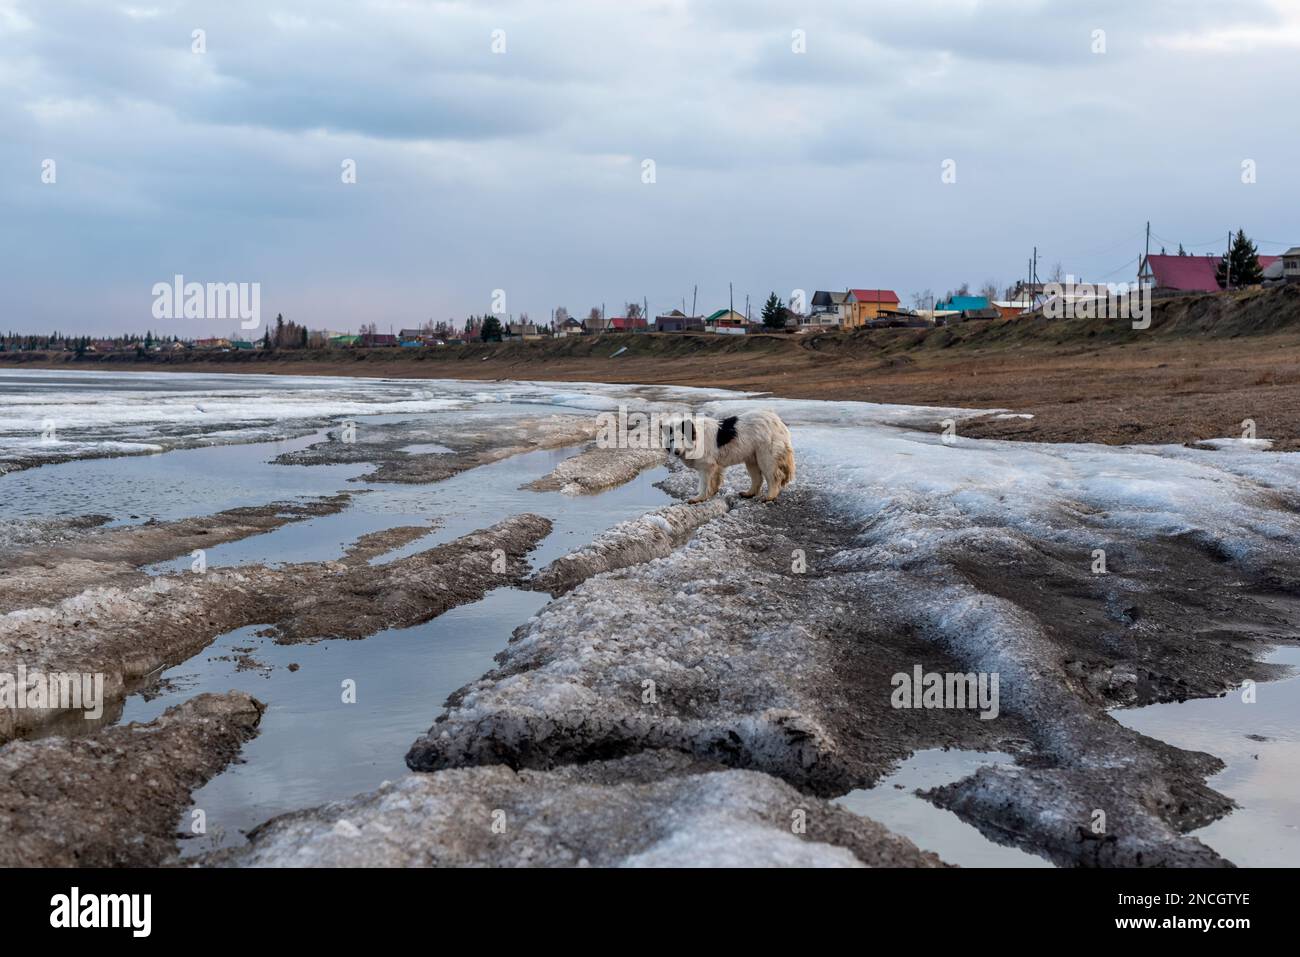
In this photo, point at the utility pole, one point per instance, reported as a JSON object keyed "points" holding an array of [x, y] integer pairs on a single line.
{"points": [[1228, 259], [731, 299], [694, 295], [1033, 278], [645, 310]]}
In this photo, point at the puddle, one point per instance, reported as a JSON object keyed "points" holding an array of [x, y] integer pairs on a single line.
{"points": [[893, 802], [1261, 775], [170, 485], [463, 503], [312, 747]]}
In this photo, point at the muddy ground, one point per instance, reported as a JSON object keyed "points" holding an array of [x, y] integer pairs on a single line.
{"points": [[114, 799], [43, 561], [483, 439]]}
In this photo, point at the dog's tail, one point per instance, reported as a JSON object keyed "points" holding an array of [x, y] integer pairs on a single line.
{"points": [[785, 466]]}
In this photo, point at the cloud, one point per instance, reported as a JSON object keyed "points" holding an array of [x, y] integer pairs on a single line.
{"points": [[477, 170]]}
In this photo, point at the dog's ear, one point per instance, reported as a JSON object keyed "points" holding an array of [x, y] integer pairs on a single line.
{"points": [[688, 431]]}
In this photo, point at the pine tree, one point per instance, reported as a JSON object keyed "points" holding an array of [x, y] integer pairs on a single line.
{"points": [[1244, 260], [491, 329], [772, 317]]}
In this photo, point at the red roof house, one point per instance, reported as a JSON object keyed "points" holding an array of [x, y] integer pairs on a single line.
{"points": [[1186, 273], [628, 324], [863, 305], [874, 295]]}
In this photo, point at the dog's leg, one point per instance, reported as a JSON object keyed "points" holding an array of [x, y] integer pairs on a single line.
{"points": [[703, 492], [767, 464], [755, 479], [715, 481]]}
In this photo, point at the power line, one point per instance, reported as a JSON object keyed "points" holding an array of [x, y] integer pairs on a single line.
{"points": [[1124, 265], [1212, 242], [1114, 246]]}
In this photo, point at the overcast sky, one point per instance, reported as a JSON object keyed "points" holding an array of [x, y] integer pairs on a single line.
{"points": [[523, 170]]}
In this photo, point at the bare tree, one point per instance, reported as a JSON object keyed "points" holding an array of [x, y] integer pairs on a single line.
{"points": [[633, 310], [990, 289], [1058, 274]]}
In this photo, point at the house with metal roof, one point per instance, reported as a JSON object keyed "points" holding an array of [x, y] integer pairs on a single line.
{"points": [[726, 321], [628, 324], [864, 305], [1171, 274], [962, 304]]}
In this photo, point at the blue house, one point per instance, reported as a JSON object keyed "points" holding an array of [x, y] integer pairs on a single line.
{"points": [[962, 303]]}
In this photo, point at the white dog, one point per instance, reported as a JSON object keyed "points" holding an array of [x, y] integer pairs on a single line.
{"points": [[758, 439]]}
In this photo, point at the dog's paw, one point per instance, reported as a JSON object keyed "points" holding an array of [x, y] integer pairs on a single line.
{"points": [[694, 501], [748, 494]]}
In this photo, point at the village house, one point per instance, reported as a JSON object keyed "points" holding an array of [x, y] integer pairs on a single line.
{"points": [[523, 330], [962, 304], [1291, 264], [418, 338], [727, 322], [678, 321], [1025, 295], [828, 308], [864, 305], [1167, 275], [569, 327], [628, 324]]}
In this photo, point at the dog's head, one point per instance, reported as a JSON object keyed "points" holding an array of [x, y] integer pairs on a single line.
{"points": [[680, 437]]}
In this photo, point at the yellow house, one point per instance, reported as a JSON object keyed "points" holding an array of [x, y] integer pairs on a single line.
{"points": [[863, 305]]}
